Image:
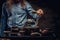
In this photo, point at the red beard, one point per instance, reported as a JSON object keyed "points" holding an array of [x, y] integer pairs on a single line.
{"points": [[17, 1]]}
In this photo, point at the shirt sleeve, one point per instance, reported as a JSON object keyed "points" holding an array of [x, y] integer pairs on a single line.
{"points": [[3, 20], [30, 9], [4, 14]]}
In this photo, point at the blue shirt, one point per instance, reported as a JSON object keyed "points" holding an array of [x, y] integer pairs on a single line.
{"points": [[17, 16]]}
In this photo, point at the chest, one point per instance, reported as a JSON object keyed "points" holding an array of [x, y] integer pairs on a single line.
{"points": [[17, 10]]}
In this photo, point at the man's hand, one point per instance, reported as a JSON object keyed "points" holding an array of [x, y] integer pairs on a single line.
{"points": [[39, 12]]}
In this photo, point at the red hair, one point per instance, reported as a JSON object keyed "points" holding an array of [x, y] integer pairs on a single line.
{"points": [[10, 2]]}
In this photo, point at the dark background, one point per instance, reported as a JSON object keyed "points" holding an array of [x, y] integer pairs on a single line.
{"points": [[51, 17]]}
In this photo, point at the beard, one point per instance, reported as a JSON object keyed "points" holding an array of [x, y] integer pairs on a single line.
{"points": [[17, 1]]}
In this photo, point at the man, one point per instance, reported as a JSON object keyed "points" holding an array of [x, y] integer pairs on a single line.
{"points": [[14, 13]]}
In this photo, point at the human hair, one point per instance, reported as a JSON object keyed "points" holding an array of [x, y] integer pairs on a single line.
{"points": [[11, 2]]}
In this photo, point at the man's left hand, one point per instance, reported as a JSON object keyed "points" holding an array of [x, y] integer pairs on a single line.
{"points": [[39, 12]]}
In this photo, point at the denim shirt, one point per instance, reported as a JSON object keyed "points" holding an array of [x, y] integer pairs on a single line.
{"points": [[17, 16]]}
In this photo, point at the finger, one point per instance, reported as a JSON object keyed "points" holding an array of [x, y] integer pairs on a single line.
{"points": [[33, 11]]}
